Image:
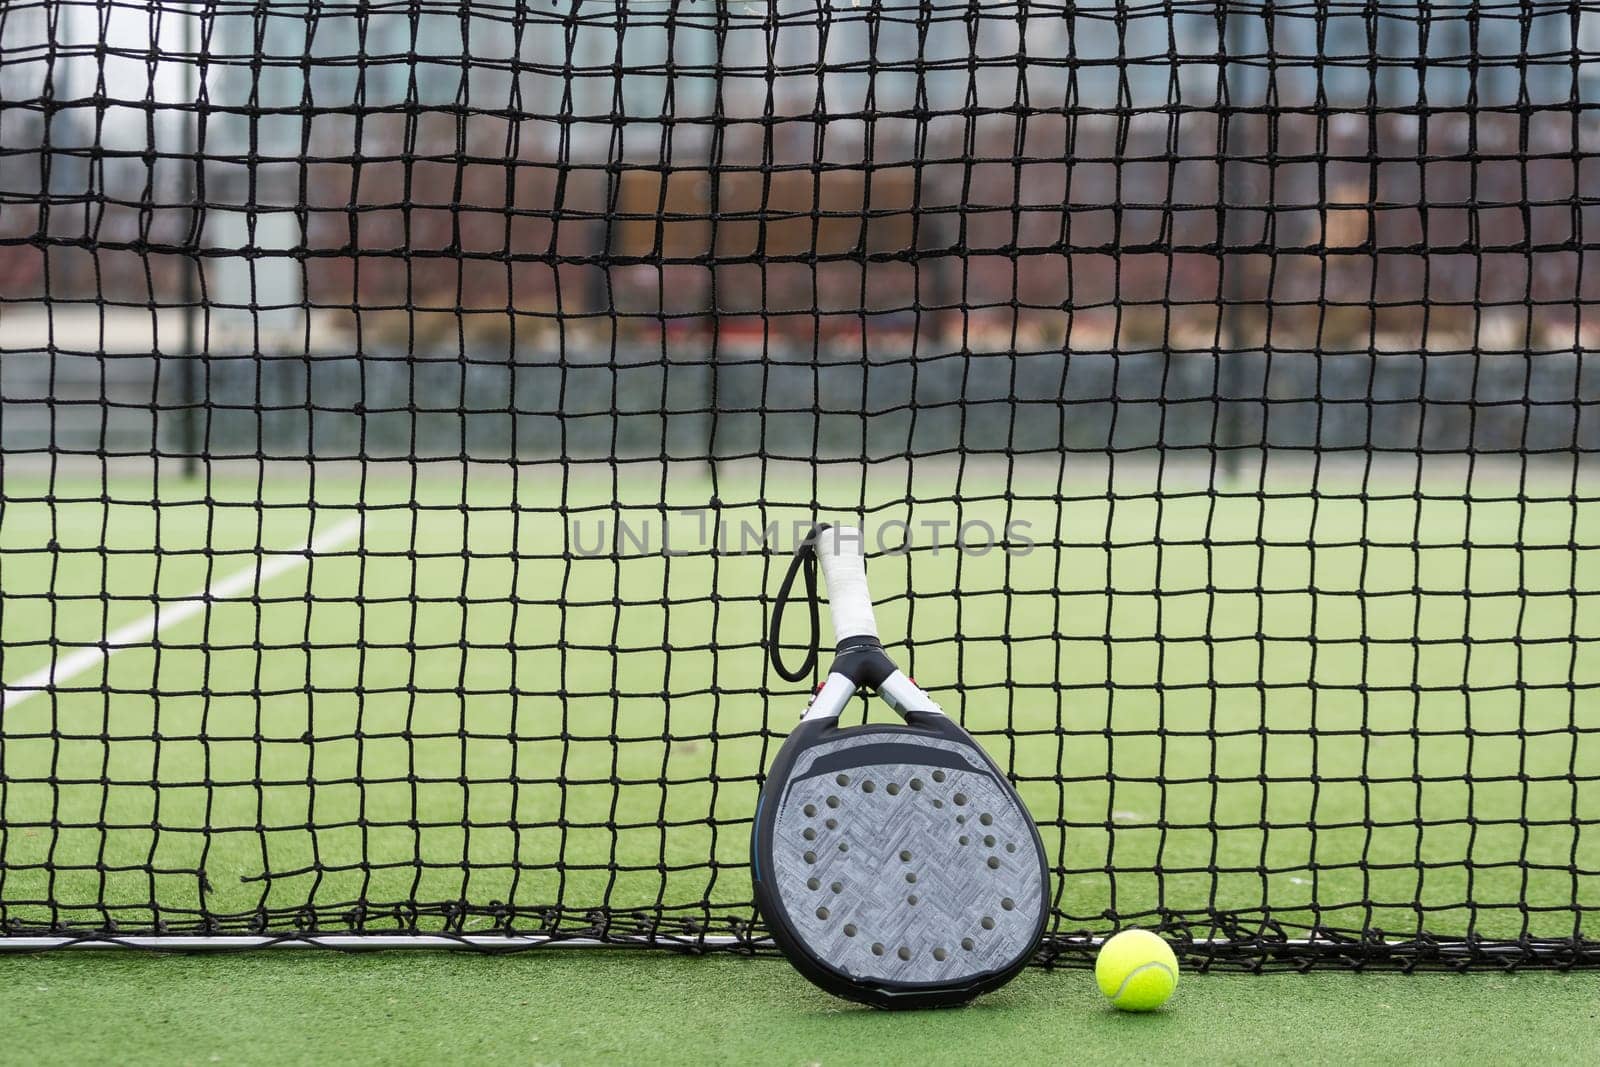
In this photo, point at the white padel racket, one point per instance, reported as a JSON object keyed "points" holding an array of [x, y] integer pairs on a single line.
{"points": [[894, 864]]}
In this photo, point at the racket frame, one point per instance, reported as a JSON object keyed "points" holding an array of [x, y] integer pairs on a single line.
{"points": [[860, 662]]}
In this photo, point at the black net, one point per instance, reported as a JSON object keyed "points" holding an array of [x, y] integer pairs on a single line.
{"points": [[408, 408]]}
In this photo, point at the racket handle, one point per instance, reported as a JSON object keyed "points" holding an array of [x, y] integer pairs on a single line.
{"points": [[844, 567]]}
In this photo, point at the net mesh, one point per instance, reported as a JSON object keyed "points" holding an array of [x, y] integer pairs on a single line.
{"points": [[408, 409]]}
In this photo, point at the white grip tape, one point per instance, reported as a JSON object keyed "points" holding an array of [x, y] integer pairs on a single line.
{"points": [[844, 568]]}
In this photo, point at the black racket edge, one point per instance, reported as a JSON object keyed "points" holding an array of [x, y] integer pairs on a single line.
{"points": [[875, 992]]}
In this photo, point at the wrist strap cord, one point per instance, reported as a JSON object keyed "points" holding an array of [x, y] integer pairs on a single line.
{"points": [[803, 560]]}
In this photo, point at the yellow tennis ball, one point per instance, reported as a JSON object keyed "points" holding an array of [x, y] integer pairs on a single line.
{"points": [[1137, 970]]}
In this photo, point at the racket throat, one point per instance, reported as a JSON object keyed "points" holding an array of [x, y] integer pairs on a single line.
{"points": [[895, 689], [831, 698], [906, 697]]}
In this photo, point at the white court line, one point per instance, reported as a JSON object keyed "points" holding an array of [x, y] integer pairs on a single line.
{"points": [[170, 613]]}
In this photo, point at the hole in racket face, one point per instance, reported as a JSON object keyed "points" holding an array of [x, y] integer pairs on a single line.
{"points": [[889, 882]]}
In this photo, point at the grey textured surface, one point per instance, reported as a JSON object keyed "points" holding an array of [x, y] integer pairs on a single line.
{"points": [[906, 871]]}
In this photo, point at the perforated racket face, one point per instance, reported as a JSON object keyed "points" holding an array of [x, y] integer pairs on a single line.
{"points": [[904, 859]]}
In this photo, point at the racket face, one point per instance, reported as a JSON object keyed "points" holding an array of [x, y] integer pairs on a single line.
{"points": [[898, 864]]}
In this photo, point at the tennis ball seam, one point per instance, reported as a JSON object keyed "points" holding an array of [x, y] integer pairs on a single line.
{"points": [[1131, 975]]}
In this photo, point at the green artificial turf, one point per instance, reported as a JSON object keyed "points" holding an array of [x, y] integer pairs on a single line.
{"points": [[1225, 702], [586, 1007]]}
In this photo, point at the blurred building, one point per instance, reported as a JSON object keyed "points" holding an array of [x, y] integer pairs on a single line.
{"points": [[296, 92], [620, 75], [615, 75], [24, 37]]}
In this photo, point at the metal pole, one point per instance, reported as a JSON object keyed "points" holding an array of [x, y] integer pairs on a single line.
{"points": [[716, 149], [1231, 335], [190, 423]]}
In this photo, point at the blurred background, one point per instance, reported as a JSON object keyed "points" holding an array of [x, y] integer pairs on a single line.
{"points": [[1274, 322], [453, 221]]}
